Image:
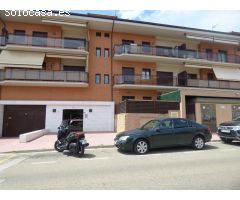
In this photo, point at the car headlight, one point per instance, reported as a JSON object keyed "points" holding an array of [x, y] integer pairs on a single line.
{"points": [[123, 138], [236, 128]]}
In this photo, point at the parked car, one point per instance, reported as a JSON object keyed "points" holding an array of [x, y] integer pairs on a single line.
{"points": [[164, 133], [229, 131]]}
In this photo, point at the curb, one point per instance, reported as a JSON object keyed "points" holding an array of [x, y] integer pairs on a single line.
{"points": [[45, 150]]}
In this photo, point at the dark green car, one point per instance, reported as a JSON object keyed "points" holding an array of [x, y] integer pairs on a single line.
{"points": [[164, 133]]}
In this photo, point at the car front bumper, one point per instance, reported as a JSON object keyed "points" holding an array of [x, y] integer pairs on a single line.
{"points": [[233, 135], [123, 145]]}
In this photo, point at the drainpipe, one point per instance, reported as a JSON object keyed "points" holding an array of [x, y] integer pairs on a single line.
{"points": [[111, 72]]}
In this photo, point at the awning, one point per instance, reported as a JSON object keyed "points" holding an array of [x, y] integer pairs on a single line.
{"points": [[227, 73], [171, 96], [21, 59]]}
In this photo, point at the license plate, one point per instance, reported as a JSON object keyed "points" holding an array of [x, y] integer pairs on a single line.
{"points": [[225, 131], [83, 141]]}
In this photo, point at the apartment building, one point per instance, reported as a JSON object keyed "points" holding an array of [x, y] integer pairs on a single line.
{"points": [[114, 74]]}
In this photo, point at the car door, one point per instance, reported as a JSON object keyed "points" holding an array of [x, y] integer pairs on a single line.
{"points": [[183, 133], [162, 136]]}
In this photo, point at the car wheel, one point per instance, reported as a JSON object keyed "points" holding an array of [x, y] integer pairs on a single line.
{"points": [[227, 141], [198, 143], [141, 146]]}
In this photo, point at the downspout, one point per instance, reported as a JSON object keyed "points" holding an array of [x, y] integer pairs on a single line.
{"points": [[111, 72]]}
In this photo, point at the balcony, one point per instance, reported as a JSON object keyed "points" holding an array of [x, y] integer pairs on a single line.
{"points": [[157, 54], [153, 82], [137, 106], [27, 77], [46, 44]]}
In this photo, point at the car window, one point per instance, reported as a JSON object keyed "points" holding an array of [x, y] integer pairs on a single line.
{"points": [[192, 123], [166, 123], [180, 123], [151, 124]]}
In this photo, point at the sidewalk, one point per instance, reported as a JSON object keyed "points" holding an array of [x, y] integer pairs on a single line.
{"points": [[47, 142]]}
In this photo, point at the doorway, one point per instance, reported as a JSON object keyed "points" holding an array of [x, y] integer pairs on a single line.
{"points": [[69, 114], [128, 75], [208, 115]]}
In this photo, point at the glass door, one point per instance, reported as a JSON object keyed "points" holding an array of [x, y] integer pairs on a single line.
{"points": [[208, 115]]}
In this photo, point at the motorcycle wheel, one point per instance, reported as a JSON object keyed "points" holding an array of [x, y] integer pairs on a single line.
{"points": [[57, 147], [81, 151]]}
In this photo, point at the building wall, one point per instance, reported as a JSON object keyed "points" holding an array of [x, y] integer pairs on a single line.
{"points": [[129, 121], [1, 119], [101, 119], [53, 31]]}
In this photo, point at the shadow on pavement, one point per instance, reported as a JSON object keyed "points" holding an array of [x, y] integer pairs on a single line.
{"points": [[173, 150], [86, 155]]}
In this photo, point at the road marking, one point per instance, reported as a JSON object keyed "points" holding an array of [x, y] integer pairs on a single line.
{"points": [[2, 180], [11, 163], [44, 162], [7, 158], [100, 158]]}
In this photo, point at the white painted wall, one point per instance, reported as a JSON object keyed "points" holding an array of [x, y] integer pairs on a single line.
{"points": [[100, 119], [1, 119]]}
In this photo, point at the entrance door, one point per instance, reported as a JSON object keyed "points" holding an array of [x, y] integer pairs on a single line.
{"points": [[39, 38], [19, 119], [69, 114], [128, 75], [208, 115]]}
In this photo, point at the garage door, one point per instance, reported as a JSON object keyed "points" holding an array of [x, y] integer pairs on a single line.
{"points": [[20, 119]]}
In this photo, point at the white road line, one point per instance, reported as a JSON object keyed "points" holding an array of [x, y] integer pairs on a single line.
{"points": [[11, 163], [2, 180], [100, 158], [44, 162]]}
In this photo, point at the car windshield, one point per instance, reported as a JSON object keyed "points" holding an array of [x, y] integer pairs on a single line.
{"points": [[151, 124]]}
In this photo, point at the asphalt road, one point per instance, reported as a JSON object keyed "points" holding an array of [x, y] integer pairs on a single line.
{"points": [[216, 167]]}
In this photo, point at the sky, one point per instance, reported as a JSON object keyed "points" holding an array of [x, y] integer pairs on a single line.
{"points": [[225, 21]]}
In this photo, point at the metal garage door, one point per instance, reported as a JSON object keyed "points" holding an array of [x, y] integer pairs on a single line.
{"points": [[20, 119]]}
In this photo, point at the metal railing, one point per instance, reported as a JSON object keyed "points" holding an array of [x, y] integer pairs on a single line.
{"points": [[175, 81], [73, 43], [43, 75], [175, 53], [138, 106]]}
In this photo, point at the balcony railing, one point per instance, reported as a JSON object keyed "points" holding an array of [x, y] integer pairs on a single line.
{"points": [[175, 53], [71, 43], [174, 81], [43, 75], [135, 106]]}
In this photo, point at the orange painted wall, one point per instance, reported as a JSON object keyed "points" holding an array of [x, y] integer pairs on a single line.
{"points": [[53, 31], [53, 63]]}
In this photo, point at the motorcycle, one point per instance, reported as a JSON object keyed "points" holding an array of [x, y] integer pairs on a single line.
{"points": [[75, 142]]}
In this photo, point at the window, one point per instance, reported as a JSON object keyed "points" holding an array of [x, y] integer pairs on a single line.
{"points": [[235, 111], [73, 68], [19, 32], [98, 34], [192, 76], [151, 124], [209, 54], [210, 76], [39, 38], [98, 52], [146, 47], [147, 98], [146, 73], [180, 123], [98, 78], [74, 43], [107, 35], [167, 123], [222, 56], [106, 79], [127, 42], [106, 53], [128, 98]]}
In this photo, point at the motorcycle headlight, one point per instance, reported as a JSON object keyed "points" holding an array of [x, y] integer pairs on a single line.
{"points": [[236, 128], [123, 138]]}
